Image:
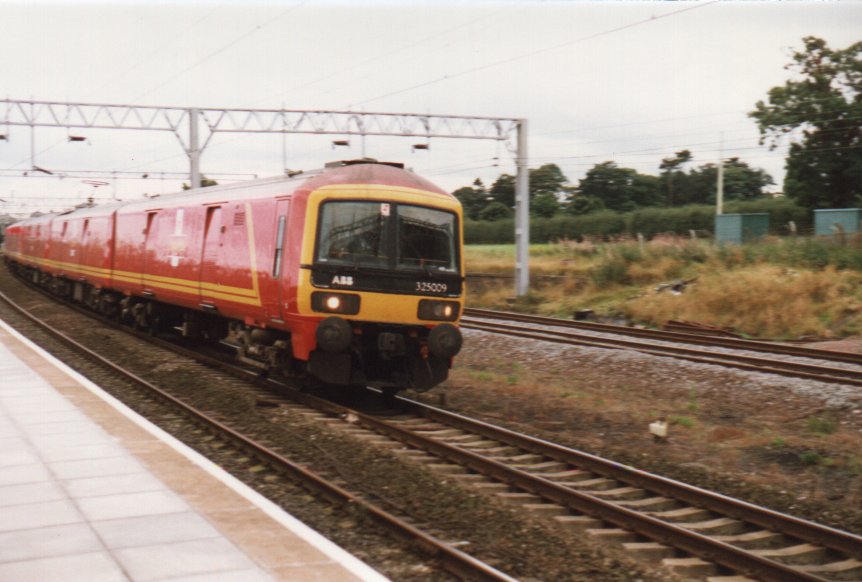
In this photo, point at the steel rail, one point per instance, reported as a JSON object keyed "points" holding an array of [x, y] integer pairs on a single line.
{"points": [[842, 541], [713, 550], [452, 559], [792, 369], [677, 336]]}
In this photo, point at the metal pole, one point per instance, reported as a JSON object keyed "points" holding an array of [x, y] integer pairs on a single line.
{"points": [[32, 135], [522, 214], [719, 190], [283, 142], [194, 150]]}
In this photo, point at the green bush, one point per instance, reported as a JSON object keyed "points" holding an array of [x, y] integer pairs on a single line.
{"points": [[495, 211], [647, 221], [605, 223], [489, 232], [653, 221], [781, 211]]}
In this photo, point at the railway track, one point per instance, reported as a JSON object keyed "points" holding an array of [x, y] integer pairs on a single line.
{"points": [[450, 558], [694, 532], [785, 360], [653, 516]]}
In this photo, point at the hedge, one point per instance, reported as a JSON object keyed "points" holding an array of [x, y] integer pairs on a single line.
{"points": [[646, 221]]}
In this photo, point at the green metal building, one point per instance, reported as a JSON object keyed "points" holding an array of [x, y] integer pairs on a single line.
{"points": [[830, 221], [740, 228]]}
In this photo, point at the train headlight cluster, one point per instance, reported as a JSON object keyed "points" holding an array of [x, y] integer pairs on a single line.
{"points": [[438, 310], [344, 303]]}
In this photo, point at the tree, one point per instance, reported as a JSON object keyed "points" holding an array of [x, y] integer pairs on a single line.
{"points": [[5, 220], [584, 204], [547, 179], [495, 211], [503, 190], [547, 184], [741, 182], [473, 198], [204, 183], [621, 189], [673, 178], [820, 111], [544, 205]]}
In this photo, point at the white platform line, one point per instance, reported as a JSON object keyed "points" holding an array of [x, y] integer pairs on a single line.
{"points": [[329, 548]]}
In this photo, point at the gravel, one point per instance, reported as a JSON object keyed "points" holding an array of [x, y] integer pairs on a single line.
{"points": [[793, 445], [550, 354]]}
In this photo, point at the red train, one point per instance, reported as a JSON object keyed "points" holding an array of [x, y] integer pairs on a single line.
{"points": [[352, 274]]}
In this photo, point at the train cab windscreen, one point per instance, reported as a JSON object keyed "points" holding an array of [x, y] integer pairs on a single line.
{"points": [[387, 235]]}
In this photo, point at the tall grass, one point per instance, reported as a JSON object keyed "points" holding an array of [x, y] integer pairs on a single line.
{"points": [[776, 288], [763, 300]]}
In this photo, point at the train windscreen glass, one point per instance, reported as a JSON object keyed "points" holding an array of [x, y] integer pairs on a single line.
{"points": [[354, 233], [387, 235], [426, 239]]}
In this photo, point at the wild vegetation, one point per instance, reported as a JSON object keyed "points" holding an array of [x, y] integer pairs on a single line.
{"points": [[778, 288]]}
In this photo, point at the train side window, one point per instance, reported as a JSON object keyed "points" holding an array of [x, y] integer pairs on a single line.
{"points": [[65, 228], [85, 230], [279, 246]]}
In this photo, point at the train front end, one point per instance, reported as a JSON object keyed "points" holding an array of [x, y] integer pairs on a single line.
{"points": [[382, 266]]}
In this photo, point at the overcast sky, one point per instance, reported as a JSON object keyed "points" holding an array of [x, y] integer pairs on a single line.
{"points": [[631, 82]]}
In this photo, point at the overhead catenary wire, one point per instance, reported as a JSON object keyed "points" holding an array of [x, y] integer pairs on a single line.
{"points": [[533, 53], [257, 28], [399, 50], [162, 49], [696, 116]]}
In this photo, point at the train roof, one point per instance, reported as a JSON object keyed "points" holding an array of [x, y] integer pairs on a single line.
{"points": [[362, 171], [371, 172]]}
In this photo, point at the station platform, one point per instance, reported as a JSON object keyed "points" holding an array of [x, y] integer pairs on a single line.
{"points": [[91, 491]]}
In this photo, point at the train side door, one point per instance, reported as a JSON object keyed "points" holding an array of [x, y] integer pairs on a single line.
{"points": [[148, 252], [81, 254], [279, 256], [213, 240]]}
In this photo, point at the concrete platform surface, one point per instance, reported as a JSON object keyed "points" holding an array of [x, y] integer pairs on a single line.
{"points": [[91, 491]]}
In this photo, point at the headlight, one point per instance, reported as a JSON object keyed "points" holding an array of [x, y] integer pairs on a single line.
{"points": [[343, 303], [438, 310]]}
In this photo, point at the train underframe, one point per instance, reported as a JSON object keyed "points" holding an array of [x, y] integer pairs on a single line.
{"points": [[387, 356]]}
